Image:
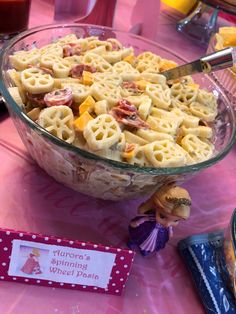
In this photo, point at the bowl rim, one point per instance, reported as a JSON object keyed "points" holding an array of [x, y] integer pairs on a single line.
{"points": [[69, 147]]}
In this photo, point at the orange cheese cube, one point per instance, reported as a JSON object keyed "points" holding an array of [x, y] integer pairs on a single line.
{"points": [[128, 155], [142, 84], [81, 122], [87, 105], [87, 78], [166, 65], [129, 151], [130, 59]]}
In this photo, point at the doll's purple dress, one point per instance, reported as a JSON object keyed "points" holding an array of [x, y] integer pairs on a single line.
{"points": [[149, 236]]}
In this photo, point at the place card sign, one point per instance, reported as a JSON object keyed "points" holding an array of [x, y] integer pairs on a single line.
{"points": [[57, 262]]}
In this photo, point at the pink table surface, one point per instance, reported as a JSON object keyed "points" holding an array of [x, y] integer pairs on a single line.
{"points": [[32, 201]]}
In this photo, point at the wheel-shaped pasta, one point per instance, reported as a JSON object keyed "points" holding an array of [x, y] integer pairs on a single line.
{"points": [[59, 122], [148, 55], [145, 108], [22, 59], [16, 80], [68, 39], [61, 68], [96, 43], [132, 138], [207, 99], [136, 156], [73, 60], [102, 132], [54, 49], [79, 91], [126, 71], [152, 136], [165, 153], [160, 96], [114, 152], [100, 50], [48, 60], [176, 104], [101, 107], [147, 61], [190, 121], [154, 78], [110, 154], [36, 81], [204, 112], [138, 100], [97, 61], [58, 82], [184, 93], [14, 92], [112, 56], [107, 91], [164, 114], [169, 126], [200, 131], [111, 78], [197, 149]]}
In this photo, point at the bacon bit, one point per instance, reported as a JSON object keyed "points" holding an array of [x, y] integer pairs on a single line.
{"points": [[132, 87], [128, 85], [129, 147], [127, 114], [77, 70], [67, 51], [71, 49], [36, 100]]}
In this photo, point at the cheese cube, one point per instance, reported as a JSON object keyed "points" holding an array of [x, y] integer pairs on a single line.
{"points": [[130, 59], [141, 84], [81, 122], [87, 78], [87, 105]]}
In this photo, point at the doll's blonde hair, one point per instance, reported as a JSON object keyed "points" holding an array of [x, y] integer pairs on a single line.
{"points": [[174, 200], [171, 199]]}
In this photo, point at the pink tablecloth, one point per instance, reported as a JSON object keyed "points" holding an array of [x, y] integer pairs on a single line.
{"points": [[32, 201]]}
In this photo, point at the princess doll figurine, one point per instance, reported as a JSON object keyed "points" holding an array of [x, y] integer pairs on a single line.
{"points": [[152, 227]]}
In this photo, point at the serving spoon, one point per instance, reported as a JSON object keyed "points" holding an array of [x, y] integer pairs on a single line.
{"points": [[215, 61]]}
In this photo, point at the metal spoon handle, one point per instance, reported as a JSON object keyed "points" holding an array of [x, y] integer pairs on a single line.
{"points": [[221, 59], [218, 60]]}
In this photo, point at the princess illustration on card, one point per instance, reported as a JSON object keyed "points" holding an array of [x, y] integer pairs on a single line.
{"points": [[152, 227], [31, 265]]}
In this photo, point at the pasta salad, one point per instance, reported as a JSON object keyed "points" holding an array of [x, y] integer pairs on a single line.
{"points": [[100, 96]]}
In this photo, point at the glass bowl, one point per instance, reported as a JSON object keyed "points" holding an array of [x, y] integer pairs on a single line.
{"points": [[225, 78], [86, 172]]}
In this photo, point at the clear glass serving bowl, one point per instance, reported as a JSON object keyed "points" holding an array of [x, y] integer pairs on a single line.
{"points": [[226, 78], [83, 171]]}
